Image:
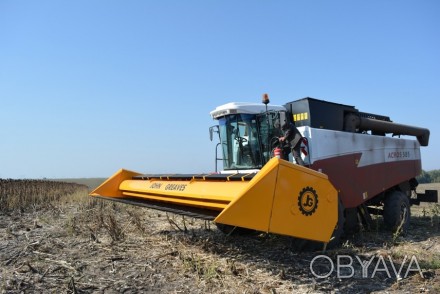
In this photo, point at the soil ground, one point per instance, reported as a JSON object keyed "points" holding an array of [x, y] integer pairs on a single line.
{"points": [[80, 245]]}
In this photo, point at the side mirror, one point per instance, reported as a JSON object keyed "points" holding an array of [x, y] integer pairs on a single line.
{"points": [[211, 132]]}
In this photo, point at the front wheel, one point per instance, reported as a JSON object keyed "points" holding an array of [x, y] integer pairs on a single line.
{"points": [[335, 240], [396, 212]]}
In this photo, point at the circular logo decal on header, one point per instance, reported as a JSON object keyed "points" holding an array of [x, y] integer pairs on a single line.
{"points": [[308, 201]]}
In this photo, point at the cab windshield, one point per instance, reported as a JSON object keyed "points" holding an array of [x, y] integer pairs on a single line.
{"points": [[248, 139]]}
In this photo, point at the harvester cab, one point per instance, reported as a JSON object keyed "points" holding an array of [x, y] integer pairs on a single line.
{"points": [[248, 133]]}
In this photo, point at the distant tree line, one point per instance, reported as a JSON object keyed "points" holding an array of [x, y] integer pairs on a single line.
{"points": [[432, 176]]}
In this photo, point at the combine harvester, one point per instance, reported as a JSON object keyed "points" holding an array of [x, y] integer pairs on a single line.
{"points": [[354, 167]]}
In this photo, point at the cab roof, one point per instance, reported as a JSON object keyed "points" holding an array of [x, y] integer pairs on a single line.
{"points": [[243, 107]]}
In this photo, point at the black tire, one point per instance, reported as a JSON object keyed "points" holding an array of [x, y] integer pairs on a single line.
{"points": [[397, 212], [335, 240], [300, 245], [351, 225]]}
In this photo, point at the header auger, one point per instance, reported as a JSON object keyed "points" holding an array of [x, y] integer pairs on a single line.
{"points": [[352, 164]]}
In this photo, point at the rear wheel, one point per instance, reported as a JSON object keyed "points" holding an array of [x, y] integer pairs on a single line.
{"points": [[396, 212]]}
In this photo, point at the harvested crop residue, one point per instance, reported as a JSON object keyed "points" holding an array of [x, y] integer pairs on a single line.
{"points": [[76, 244]]}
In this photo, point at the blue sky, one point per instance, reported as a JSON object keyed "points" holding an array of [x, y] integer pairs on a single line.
{"points": [[88, 87]]}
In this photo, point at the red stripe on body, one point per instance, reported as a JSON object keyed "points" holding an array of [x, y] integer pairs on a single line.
{"points": [[353, 182]]}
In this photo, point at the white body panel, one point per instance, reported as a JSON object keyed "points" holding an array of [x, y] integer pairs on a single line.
{"points": [[324, 144]]}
